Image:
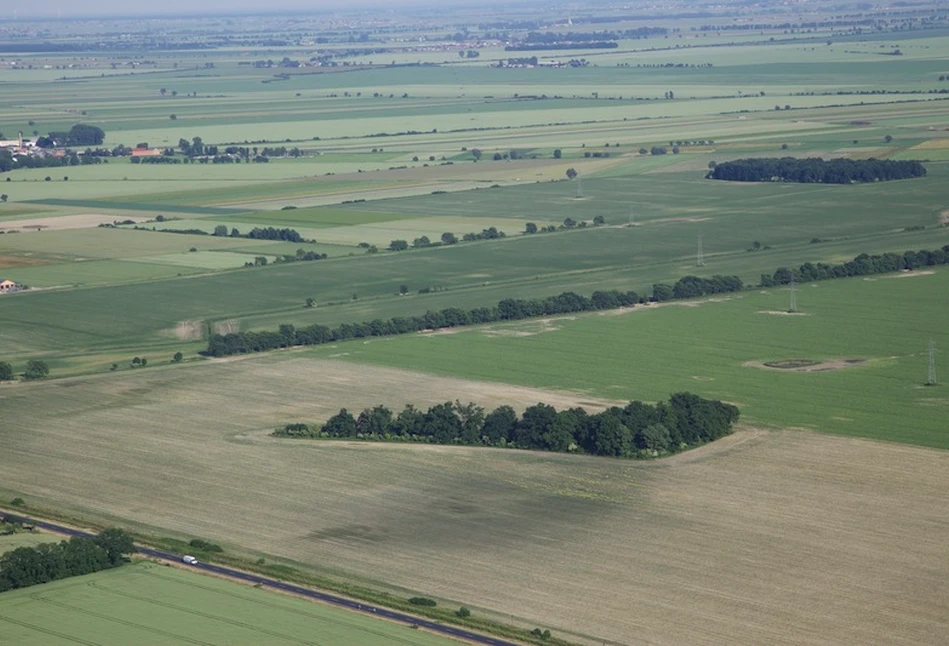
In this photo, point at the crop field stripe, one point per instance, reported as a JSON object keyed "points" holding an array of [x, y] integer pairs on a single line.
{"points": [[137, 206], [45, 630], [116, 620], [204, 615], [129, 591], [260, 602]]}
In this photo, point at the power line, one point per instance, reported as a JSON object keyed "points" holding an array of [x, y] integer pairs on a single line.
{"points": [[792, 307], [931, 378]]}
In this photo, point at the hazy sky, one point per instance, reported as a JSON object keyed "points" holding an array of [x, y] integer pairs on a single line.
{"points": [[153, 7]]}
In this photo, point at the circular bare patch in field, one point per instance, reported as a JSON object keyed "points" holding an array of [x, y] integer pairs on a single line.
{"points": [[188, 330], [805, 365], [912, 274], [783, 313]]}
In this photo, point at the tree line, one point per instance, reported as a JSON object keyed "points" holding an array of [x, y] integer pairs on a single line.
{"points": [[509, 309], [35, 369], [26, 566], [816, 170], [638, 430], [862, 265], [8, 162], [79, 135], [257, 233]]}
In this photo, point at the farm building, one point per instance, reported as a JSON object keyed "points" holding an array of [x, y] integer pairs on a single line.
{"points": [[8, 286]]}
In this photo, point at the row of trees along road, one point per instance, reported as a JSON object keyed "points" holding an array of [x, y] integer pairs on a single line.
{"points": [[815, 170], [26, 566], [636, 430], [509, 309], [862, 265]]}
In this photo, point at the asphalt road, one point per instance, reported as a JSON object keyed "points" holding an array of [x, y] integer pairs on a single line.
{"points": [[343, 602]]}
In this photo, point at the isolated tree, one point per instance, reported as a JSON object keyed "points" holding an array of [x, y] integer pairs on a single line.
{"points": [[220, 230], [178, 357], [569, 223], [398, 245], [599, 220], [36, 369], [403, 289], [643, 151], [6, 371], [571, 173], [174, 93], [888, 138], [449, 238], [530, 227], [173, 117], [163, 91], [476, 153], [310, 302], [557, 154], [4, 197], [136, 361]]}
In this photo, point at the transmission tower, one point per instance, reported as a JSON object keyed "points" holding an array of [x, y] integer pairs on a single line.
{"points": [[931, 378], [792, 307], [700, 255]]}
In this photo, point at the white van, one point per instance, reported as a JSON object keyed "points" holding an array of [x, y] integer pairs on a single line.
{"points": [[190, 560]]}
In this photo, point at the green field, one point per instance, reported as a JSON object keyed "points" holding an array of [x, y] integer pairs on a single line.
{"points": [[155, 604], [708, 347], [25, 539]]}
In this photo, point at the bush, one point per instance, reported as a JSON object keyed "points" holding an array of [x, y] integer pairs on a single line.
{"points": [[423, 601], [463, 612], [17, 502], [206, 546]]}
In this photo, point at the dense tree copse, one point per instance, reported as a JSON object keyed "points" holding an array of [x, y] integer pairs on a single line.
{"points": [[815, 170], [271, 233], [26, 566], [862, 265], [638, 430]]}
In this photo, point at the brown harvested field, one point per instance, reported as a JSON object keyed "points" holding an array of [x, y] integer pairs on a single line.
{"points": [[56, 223], [762, 538], [9, 262]]}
